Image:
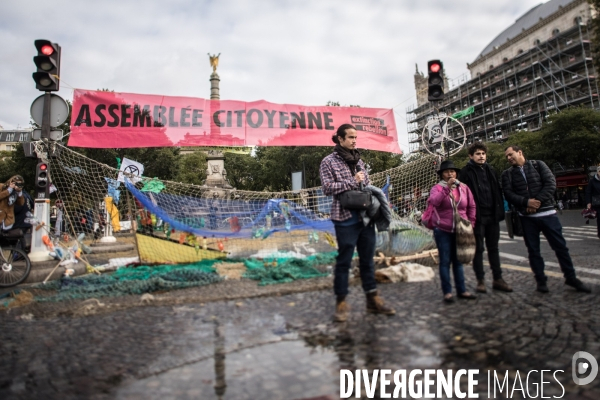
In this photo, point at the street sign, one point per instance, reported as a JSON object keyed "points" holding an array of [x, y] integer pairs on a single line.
{"points": [[59, 110], [437, 127], [56, 134]]}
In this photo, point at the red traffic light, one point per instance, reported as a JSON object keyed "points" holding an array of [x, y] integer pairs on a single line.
{"points": [[43, 167], [435, 67], [47, 50]]}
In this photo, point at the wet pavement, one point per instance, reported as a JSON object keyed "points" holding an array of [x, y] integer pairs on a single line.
{"points": [[287, 347]]}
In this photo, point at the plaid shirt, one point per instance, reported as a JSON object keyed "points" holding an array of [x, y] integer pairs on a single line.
{"points": [[336, 178]]}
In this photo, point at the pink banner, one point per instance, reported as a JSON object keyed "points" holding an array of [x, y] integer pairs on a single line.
{"points": [[121, 120]]}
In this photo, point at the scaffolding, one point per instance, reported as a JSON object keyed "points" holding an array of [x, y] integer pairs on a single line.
{"points": [[519, 94]]}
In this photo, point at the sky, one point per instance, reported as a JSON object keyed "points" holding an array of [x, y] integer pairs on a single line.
{"points": [[305, 52]]}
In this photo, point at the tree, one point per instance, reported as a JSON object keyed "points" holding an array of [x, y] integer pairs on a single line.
{"points": [[242, 171], [571, 138], [595, 25], [192, 168], [276, 164]]}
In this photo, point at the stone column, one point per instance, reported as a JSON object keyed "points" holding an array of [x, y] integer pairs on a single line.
{"points": [[214, 86]]}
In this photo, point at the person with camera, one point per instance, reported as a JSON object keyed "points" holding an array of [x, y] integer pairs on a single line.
{"points": [[445, 196], [341, 171], [11, 195], [592, 196]]}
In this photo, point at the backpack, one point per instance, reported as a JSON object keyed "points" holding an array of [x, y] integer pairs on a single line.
{"points": [[430, 218]]}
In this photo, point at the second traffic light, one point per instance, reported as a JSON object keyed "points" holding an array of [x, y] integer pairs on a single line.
{"points": [[47, 62], [435, 82], [41, 179]]}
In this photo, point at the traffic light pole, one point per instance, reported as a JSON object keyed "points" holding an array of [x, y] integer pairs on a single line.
{"points": [[41, 211], [47, 79], [46, 116]]}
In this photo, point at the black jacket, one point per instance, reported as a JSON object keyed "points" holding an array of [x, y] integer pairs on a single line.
{"points": [[468, 176], [539, 185], [593, 189]]}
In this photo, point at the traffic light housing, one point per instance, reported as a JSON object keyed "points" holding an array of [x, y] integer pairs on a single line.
{"points": [[47, 62], [435, 82], [41, 178]]}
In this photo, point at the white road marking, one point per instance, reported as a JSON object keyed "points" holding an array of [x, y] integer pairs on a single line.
{"points": [[547, 263], [549, 273]]}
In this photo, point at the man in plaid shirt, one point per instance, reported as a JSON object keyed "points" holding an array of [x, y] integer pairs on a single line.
{"points": [[340, 171]]}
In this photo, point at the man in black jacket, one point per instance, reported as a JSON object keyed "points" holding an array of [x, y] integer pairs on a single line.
{"points": [[479, 176], [530, 186]]}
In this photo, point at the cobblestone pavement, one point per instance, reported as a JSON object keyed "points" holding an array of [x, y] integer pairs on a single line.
{"points": [[287, 347]]}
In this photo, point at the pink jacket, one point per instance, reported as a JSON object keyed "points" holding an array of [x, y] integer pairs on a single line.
{"points": [[440, 199]]}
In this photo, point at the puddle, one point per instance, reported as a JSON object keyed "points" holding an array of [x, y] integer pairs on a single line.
{"points": [[282, 370]]}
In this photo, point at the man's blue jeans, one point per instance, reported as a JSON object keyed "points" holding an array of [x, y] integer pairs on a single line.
{"points": [[552, 229], [446, 244], [363, 238]]}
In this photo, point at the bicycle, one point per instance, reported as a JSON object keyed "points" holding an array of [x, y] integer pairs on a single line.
{"points": [[15, 264]]}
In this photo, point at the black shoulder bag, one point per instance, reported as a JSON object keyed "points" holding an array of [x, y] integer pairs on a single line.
{"points": [[356, 199]]}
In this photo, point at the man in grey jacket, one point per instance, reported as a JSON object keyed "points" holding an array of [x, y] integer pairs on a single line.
{"points": [[529, 186]]}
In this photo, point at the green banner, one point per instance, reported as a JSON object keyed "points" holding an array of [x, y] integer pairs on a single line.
{"points": [[464, 112]]}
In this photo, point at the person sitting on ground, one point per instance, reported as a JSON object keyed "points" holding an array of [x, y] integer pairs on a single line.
{"points": [[11, 194], [443, 194]]}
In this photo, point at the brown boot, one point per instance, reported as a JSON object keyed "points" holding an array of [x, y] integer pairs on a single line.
{"points": [[341, 309], [500, 284], [375, 304], [481, 286]]}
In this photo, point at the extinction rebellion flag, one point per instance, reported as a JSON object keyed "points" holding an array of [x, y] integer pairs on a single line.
{"points": [[125, 120]]}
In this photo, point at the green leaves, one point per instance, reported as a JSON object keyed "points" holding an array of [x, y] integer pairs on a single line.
{"points": [[570, 137]]}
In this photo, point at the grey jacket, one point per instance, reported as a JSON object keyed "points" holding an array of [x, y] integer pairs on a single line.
{"points": [[379, 212]]}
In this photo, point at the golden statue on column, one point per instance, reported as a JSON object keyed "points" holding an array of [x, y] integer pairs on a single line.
{"points": [[214, 61]]}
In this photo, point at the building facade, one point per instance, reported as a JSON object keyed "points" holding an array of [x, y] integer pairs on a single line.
{"points": [[9, 138], [538, 65]]}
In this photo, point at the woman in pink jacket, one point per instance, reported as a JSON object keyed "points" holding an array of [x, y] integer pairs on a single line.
{"points": [[445, 238]]}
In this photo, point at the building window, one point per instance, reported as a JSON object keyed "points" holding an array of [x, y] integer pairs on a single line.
{"points": [[10, 137], [520, 51], [22, 137], [537, 42], [555, 32], [505, 59], [491, 67], [578, 21]]}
